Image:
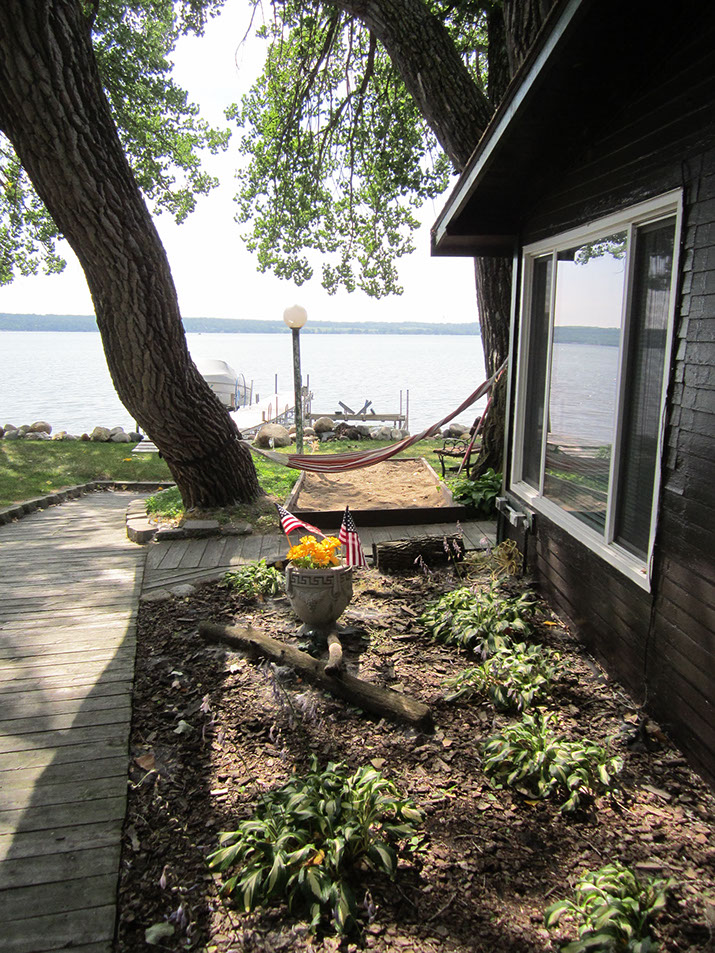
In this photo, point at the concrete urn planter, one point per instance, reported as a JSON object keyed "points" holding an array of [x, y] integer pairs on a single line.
{"points": [[319, 596]]}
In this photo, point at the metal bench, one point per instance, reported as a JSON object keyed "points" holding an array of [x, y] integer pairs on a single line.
{"points": [[455, 448]]}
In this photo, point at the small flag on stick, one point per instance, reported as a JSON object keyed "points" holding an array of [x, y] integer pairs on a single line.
{"points": [[290, 523], [348, 535]]}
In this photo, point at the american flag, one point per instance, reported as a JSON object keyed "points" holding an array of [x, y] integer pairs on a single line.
{"points": [[290, 523], [348, 535]]}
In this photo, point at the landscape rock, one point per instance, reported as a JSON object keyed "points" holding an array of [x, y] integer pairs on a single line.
{"points": [[100, 434], [35, 435], [40, 426], [272, 435], [135, 437], [456, 430], [25, 429], [13, 434], [120, 437], [323, 425], [363, 430], [381, 433], [9, 427]]}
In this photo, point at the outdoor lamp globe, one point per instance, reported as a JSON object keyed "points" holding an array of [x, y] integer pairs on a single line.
{"points": [[295, 317]]}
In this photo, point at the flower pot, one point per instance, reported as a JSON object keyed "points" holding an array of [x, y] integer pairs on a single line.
{"points": [[319, 596]]}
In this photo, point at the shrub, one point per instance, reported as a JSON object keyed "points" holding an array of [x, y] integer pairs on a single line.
{"points": [[484, 623], [529, 758], [513, 679], [255, 580], [613, 911], [480, 494], [306, 838]]}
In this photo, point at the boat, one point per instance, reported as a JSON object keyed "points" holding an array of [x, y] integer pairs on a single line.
{"points": [[229, 386]]}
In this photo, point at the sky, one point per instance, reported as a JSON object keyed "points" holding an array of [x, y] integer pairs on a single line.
{"points": [[214, 273]]}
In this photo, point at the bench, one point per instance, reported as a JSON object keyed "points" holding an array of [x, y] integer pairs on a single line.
{"points": [[455, 448]]}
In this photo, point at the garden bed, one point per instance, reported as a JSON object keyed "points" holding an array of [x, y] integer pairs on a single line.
{"points": [[211, 731]]}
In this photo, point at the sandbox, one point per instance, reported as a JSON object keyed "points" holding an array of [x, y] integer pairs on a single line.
{"points": [[395, 492]]}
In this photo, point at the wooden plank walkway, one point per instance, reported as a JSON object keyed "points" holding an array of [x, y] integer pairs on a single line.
{"points": [[69, 587], [174, 562]]}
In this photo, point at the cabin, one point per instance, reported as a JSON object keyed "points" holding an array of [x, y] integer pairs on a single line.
{"points": [[596, 177]]}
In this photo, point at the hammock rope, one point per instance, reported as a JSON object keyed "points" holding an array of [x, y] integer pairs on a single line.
{"points": [[355, 460]]}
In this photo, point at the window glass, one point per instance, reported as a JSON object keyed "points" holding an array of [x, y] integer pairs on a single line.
{"points": [[536, 361], [647, 336], [582, 396]]}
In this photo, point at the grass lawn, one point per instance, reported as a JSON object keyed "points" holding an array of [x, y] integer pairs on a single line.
{"points": [[34, 469]]}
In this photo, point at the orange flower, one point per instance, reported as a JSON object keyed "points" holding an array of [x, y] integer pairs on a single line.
{"points": [[310, 554]]}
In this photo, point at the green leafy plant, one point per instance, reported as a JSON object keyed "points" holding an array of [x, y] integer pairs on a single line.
{"points": [[484, 623], [528, 757], [166, 503], [255, 580], [613, 910], [307, 837], [513, 679], [480, 494]]}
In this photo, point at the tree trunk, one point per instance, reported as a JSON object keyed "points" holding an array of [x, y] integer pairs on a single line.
{"points": [[53, 109]]}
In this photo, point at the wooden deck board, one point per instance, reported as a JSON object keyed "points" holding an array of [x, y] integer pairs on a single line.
{"points": [[71, 583]]}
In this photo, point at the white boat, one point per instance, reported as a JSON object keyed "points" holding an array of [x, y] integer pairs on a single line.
{"points": [[229, 387]]}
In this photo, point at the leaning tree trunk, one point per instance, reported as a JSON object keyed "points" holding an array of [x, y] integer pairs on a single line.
{"points": [[53, 110], [457, 111]]}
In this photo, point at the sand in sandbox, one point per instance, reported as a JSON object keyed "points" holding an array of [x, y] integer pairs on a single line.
{"points": [[390, 485]]}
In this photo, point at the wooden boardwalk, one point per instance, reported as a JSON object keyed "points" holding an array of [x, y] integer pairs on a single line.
{"points": [[69, 587], [173, 562]]}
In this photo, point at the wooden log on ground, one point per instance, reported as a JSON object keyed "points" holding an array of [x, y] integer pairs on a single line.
{"points": [[369, 697], [435, 550]]}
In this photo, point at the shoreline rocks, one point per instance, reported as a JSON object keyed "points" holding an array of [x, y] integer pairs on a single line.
{"points": [[41, 430]]}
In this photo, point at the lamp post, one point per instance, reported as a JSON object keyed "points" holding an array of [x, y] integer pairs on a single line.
{"points": [[295, 317]]}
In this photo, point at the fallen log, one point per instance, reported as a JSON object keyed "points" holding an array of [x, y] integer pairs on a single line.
{"points": [[369, 697], [404, 553]]}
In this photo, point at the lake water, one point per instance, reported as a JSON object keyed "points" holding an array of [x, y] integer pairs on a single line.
{"points": [[63, 378]]}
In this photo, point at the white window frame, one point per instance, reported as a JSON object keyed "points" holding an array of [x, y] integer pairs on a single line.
{"points": [[603, 544]]}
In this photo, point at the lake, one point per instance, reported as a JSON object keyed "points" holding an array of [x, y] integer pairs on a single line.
{"points": [[62, 377]]}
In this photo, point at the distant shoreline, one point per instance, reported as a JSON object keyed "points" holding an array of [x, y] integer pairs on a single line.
{"points": [[86, 322]]}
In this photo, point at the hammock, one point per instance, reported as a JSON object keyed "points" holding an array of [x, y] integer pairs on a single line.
{"points": [[339, 462]]}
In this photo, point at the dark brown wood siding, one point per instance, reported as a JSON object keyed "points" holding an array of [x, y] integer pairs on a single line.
{"points": [[661, 645]]}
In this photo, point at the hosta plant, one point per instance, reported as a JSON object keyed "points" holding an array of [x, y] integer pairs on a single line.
{"points": [[307, 838], [613, 911], [513, 679], [484, 622], [528, 757], [480, 494], [255, 580]]}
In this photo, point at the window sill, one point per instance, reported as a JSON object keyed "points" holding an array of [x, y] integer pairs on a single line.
{"points": [[633, 568]]}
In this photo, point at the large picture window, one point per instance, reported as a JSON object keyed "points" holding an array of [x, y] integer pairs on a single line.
{"points": [[594, 347]]}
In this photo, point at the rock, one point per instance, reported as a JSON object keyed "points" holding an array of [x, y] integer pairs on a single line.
{"points": [[60, 435], [323, 425], [327, 436], [135, 437], [40, 426], [100, 434], [85, 437], [308, 432], [113, 430], [363, 430], [272, 435], [9, 427], [37, 435], [456, 430], [381, 433], [13, 434], [120, 438], [25, 429]]}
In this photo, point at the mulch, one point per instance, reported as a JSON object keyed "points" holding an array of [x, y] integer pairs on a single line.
{"points": [[212, 730]]}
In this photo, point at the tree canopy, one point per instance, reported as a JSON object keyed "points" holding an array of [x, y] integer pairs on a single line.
{"points": [[339, 154], [160, 129]]}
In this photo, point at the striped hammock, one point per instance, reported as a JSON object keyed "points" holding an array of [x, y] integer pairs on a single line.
{"points": [[339, 462]]}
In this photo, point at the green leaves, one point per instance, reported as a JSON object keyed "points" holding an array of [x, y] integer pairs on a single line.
{"points": [[612, 909], [529, 758], [484, 623], [338, 156], [255, 580], [481, 494], [307, 837], [514, 679]]}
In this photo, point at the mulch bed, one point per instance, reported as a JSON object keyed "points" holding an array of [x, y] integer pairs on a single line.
{"points": [[211, 730]]}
